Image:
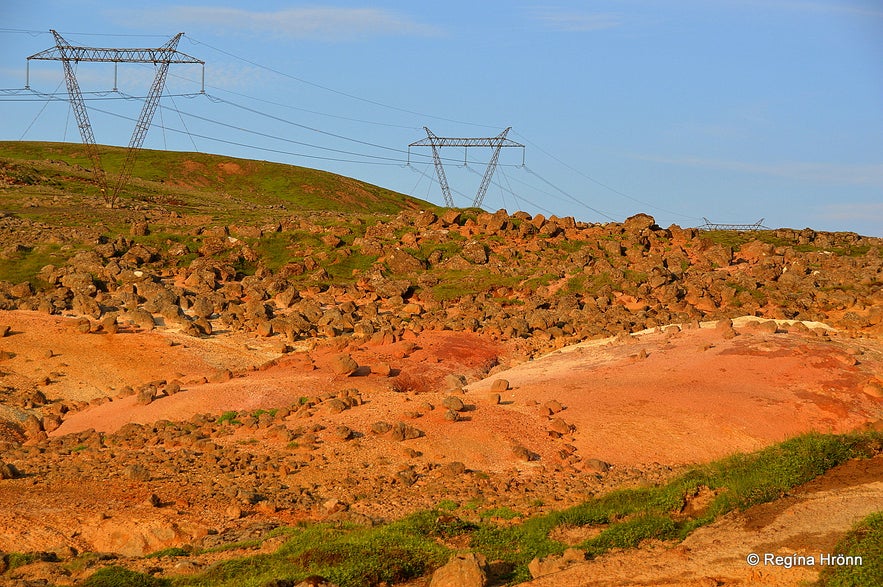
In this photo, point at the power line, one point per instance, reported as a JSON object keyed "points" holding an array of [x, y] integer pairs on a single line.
{"points": [[570, 197], [55, 96], [596, 182], [62, 97], [499, 185], [331, 134], [308, 111], [255, 147], [14, 95], [35, 32], [335, 91]]}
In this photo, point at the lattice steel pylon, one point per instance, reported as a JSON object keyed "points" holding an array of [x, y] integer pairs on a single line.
{"points": [[496, 143], [161, 57]]}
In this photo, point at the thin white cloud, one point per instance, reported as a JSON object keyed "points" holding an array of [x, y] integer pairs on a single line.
{"points": [[868, 212], [837, 173], [320, 22], [577, 22], [808, 6]]}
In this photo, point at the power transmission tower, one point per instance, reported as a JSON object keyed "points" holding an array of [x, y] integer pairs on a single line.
{"points": [[161, 57], [709, 225], [496, 143]]}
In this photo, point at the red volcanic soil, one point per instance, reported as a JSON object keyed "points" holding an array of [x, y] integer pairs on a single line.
{"points": [[696, 395], [672, 398], [640, 403]]}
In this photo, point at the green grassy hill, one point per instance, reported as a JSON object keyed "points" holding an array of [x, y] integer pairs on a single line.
{"points": [[194, 182]]}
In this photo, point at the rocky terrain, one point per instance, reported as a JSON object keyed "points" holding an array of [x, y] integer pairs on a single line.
{"points": [[200, 372]]}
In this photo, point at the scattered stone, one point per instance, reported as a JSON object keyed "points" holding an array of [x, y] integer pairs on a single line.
{"points": [[553, 406], [8, 471], [146, 395], [523, 453], [540, 567], [382, 368], [32, 426], [139, 228], [462, 570], [454, 381], [454, 403], [344, 365], [380, 427], [474, 252], [407, 476], [560, 427], [334, 505], [454, 469], [500, 385], [402, 431], [137, 473], [873, 388], [596, 465], [335, 405]]}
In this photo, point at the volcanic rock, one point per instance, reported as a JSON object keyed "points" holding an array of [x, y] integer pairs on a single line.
{"points": [[462, 570], [344, 365]]}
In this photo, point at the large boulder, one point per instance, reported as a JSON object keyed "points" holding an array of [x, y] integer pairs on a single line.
{"points": [[463, 570], [400, 262]]}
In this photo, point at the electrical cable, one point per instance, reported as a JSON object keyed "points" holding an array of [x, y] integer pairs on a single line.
{"points": [[184, 124], [535, 205], [570, 197], [290, 107], [96, 96], [255, 147], [63, 96], [419, 179], [40, 113], [511, 191], [332, 90], [596, 182]]}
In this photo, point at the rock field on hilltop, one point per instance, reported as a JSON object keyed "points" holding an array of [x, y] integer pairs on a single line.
{"points": [[176, 382]]}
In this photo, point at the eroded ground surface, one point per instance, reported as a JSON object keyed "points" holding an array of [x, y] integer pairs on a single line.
{"points": [[807, 523], [254, 438]]}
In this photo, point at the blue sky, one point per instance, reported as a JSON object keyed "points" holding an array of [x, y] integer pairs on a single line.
{"points": [[730, 110]]}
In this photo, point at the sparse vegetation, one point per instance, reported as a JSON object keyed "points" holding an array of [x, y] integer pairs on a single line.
{"points": [[355, 557], [116, 576], [864, 541], [260, 271]]}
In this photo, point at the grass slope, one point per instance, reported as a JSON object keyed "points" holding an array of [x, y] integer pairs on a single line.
{"points": [[415, 545], [195, 178]]}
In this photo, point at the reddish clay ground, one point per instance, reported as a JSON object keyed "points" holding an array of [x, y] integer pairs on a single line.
{"points": [[807, 523], [661, 399]]}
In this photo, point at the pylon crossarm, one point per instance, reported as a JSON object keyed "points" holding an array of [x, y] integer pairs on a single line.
{"points": [[435, 142], [65, 51]]}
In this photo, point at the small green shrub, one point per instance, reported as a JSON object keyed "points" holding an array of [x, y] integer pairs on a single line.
{"points": [[229, 417], [865, 541], [173, 551], [19, 559], [119, 577]]}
